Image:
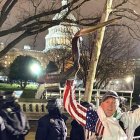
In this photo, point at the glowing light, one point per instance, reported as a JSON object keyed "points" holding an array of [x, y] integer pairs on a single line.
{"points": [[117, 82], [35, 68], [128, 79]]}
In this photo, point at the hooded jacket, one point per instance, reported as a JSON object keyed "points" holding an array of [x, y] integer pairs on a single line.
{"points": [[15, 121], [51, 126]]}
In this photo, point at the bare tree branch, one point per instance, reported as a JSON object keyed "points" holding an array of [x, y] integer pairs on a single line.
{"points": [[9, 4], [42, 20], [131, 31]]}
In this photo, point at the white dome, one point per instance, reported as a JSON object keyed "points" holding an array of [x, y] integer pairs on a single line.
{"points": [[60, 36]]}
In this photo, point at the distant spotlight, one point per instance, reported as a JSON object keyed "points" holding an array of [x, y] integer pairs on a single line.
{"points": [[128, 79], [35, 68]]}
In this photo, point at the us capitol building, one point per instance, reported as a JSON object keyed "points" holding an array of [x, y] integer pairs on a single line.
{"points": [[58, 38]]}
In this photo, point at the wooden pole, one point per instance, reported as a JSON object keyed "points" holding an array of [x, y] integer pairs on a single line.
{"points": [[96, 51]]}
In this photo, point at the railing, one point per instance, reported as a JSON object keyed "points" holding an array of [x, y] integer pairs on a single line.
{"points": [[32, 110], [97, 94], [33, 107]]}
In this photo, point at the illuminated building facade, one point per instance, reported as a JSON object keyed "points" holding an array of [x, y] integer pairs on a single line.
{"points": [[13, 53]]}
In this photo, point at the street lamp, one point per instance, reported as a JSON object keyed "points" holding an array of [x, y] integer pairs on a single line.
{"points": [[128, 79], [35, 68]]}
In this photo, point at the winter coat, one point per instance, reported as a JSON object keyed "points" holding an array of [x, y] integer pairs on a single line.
{"points": [[131, 121], [16, 124], [3, 135], [51, 128]]}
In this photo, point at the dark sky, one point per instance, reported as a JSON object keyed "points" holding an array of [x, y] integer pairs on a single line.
{"points": [[90, 8]]}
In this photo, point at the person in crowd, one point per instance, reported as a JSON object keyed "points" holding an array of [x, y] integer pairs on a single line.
{"points": [[2, 126], [122, 108], [15, 121], [2, 130], [100, 123], [52, 126], [137, 131], [77, 130], [123, 105]]}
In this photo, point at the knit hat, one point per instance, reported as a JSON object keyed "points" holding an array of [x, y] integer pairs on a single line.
{"points": [[110, 94]]}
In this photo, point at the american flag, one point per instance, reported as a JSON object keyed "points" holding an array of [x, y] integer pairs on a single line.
{"points": [[93, 123], [76, 110], [86, 117]]}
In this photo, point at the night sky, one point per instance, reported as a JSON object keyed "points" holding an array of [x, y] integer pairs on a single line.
{"points": [[92, 8]]}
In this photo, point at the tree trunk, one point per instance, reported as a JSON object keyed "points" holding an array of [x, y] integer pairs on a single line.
{"points": [[96, 52], [23, 84]]}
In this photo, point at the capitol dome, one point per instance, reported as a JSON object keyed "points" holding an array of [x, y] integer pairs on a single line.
{"points": [[60, 36]]}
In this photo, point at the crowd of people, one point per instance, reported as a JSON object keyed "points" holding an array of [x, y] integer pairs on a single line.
{"points": [[110, 121]]}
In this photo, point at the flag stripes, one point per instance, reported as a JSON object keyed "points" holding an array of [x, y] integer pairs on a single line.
{"points": [[99, 128], [77, 111]]}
